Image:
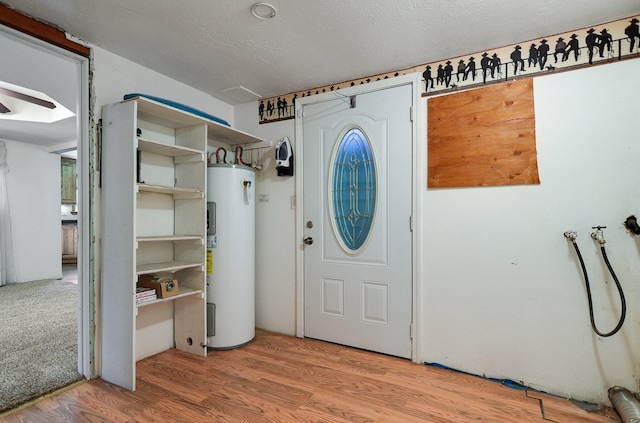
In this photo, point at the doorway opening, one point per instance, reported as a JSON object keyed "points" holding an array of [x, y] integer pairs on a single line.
{"points": [[38, 63]]}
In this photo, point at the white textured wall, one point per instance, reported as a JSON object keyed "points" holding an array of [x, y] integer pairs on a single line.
{"points": [[115, 76], [275, 228], [33, 184], [502, 293]]}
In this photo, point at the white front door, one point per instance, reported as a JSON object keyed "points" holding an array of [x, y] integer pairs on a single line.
{"points": [[357, 220]]}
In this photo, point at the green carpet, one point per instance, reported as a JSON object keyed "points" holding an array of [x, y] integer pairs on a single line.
{"points": [[38, 340]]}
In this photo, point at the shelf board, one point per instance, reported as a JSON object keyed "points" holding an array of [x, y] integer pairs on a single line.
{"points": [[176, 191], [167, 149], [166, 266], [184, 292], [229, 136], [173, 238], [157, 112]]}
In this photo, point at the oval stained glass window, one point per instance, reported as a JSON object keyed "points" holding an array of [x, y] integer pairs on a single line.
{"points": [[353, 190]]}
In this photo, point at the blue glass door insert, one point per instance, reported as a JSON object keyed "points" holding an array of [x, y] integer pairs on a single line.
{"points": [[353, 190]]}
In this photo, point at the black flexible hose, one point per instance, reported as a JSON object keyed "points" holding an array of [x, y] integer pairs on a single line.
{"points": [[623, 313]]}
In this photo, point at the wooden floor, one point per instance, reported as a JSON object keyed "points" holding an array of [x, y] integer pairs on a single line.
{"points": [[279, 378]]}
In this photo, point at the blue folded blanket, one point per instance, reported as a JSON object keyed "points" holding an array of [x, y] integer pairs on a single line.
{"points": [[178, 106]]}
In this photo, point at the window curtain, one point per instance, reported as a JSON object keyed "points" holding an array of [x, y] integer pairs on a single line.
{"points": [[7, 265]]}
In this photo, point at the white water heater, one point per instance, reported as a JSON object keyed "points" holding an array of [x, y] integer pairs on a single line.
{"points": [[230, 255]]}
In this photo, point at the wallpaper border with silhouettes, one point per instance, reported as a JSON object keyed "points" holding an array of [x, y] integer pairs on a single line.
{"points": [[596, 45]]}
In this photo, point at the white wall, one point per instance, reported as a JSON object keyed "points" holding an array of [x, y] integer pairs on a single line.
{"points": [[33, 184], [115, 76], [275, 228], [502, 291], [504, 294]]}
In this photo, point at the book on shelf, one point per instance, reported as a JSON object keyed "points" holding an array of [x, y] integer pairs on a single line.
{"points": [[144, 295], [146, 299], [143, 291]]}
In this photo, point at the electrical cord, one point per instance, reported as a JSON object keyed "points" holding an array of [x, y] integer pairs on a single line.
{"points": [[589, 297]]}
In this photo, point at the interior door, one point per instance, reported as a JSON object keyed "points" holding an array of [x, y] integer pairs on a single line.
{"points": [[357, 220]]}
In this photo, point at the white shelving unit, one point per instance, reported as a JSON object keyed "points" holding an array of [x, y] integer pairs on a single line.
{"points": [[154, 222]]}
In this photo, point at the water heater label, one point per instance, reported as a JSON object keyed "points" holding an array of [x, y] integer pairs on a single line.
{"points": [[209, 261]]}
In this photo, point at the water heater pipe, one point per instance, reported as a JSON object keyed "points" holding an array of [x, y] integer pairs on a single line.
{"points": [[224, 157]]}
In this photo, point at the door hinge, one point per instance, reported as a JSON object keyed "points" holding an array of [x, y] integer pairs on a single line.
{"points": [[411, 223], [411, 113], [411, 331]]}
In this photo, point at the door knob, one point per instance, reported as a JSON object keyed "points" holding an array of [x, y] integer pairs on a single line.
{"points": [[308, 240]]}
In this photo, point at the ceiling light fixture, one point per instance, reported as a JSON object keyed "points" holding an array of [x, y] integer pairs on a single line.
{"points": [[263, 11]]}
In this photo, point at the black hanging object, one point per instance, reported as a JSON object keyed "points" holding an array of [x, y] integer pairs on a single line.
{"points": [[284, 158]]}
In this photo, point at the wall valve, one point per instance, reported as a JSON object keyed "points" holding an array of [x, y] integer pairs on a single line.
{"points": [[597, 235], [632, 225], [571, 235]]}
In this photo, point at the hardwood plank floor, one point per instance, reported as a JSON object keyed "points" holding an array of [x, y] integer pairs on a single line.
{"points": [[280, 378]]}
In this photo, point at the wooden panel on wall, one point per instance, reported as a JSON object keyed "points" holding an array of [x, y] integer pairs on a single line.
{"points": [[483, 137]]}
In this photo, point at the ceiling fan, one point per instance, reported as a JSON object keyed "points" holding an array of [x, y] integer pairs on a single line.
{"points": [[23, 97]]}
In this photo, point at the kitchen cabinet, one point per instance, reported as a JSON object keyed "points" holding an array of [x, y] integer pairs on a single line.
{"points": [[69, 243], [68, 176]]}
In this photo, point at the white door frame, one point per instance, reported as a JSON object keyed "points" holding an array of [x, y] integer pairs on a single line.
{"points": [[85, 317], [414, 80]]}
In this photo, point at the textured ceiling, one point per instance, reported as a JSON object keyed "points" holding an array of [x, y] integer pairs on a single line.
{"points": [[213, 45]]}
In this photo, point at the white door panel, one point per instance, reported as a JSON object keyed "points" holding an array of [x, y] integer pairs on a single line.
{"points": [[360, 297]]}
